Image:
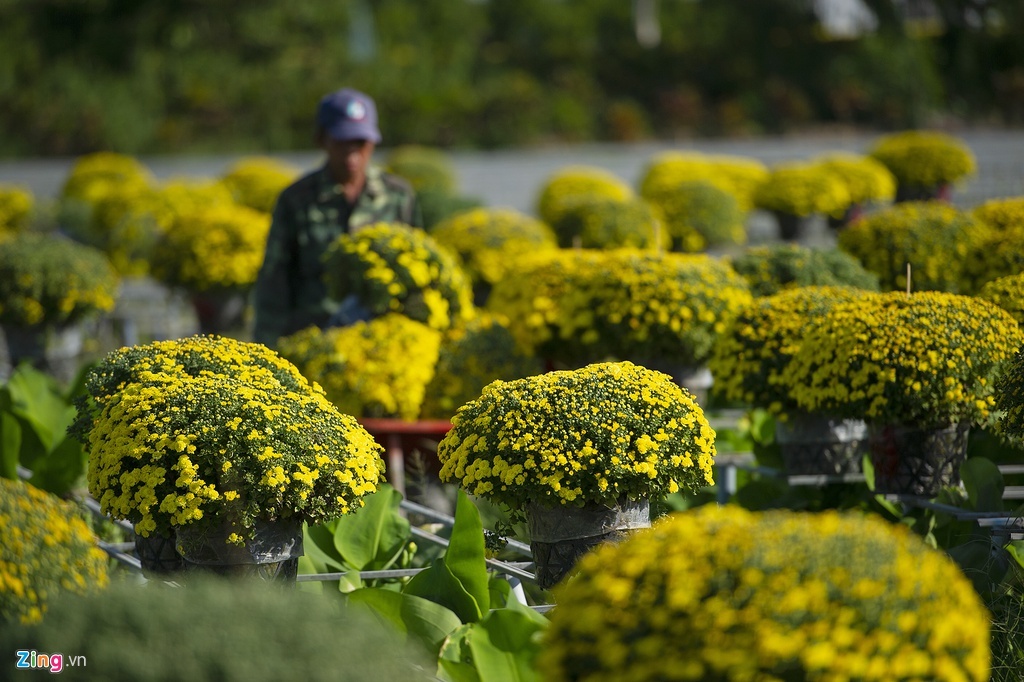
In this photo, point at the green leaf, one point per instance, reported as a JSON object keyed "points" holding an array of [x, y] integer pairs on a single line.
{"points": [[465, 556], [455, 658], [37, 399], [504, 647], [371, 538], [10, 439], [63, 469], [438, 584], [869, 471], [318, 544], [308, 566], [984, 484], [427, 621]]}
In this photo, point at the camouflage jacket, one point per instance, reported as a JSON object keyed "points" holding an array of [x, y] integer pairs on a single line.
{"points": [[290, 293]]}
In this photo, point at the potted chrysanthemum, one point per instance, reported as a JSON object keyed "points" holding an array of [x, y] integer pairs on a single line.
{"points": [[748, 364], [16, 205], [932, 238], [571, 183], [919, 368], [257, 181], [792, 192], [739, 176], [594, 222], [722, 593], [775, 267], [867, 181], [48, 283], [487, 241], [389, 267], [699, 215], [579, 454], [1007, 293], [925, 163], [661, 310], [223, 447], [1000, 250]]}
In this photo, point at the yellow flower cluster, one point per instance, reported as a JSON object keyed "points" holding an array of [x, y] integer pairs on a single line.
{"points": [[593, 222], [919, 158], [750, 358], [256, 181], [737, 175], [773, 268], [213, 248], [396, 268], [379, 368], [1007, 293], [181, 432], [1010, 397], [473, 355], [50, 280], [599, 434], [927, 359], [46, 549], [934, 238], [488, 240], [866, 179], [426, 168], [802, 189], [722, 593], [1001, 253], [15, 208], [698, 214], [573, 183], [93, 176], [581, 306]]}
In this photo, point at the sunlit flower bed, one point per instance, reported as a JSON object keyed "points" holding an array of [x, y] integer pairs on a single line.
{"points": [[749, 360], [391, 267], [728, 594], [46, 549], [928, 359], [379, 368], [600, 434], [583, 306], [180, 432], [50, 280]]}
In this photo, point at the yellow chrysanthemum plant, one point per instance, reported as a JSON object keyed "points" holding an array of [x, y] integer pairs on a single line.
{"points": [[390, 267], [256, 181], [925, 163], [1007, 293], [568, 185], [378, 368], [868, 182], [575, 307], [46, 550], [1010, 398], [926, 359], [739, 176], [595, 222], [699, 215], [802, 189], [775, 267], [206, 430], [488, 240], [578, 452], [999, 252], [722, 593], [47, 280], [16, 205], [750, 358], [473, 355], [933, 238]]}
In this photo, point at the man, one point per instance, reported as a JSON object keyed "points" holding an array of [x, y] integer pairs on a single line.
{"points": [[345, 194]]}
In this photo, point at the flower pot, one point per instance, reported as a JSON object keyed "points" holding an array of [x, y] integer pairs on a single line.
{"points": [[852, 213], [910, 460], [271, 553], [941, 192], [55, 350], [821, 445], [23, 344], [560, 535], [219, 312], [158, 555], [791, 226]]}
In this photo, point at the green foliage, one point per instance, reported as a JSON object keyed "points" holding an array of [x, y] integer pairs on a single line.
{"points": [[595, 222], [776, 267], [220, 630], [425, 168]]}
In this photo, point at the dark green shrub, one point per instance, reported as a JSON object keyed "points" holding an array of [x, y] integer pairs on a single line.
{"points": [[217, 630], [770, 269], [602, 223]]}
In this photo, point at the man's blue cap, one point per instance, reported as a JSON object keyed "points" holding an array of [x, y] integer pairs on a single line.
{"points": [[348, 115]]}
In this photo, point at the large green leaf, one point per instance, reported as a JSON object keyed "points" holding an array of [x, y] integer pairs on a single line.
{"points": [[372, 537], [454, 661], [62, 469], [504, 647], [10, 438], [427, 621], [984, 484], [36, 398], [318, 544], [465, 556], [438, 584]]}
